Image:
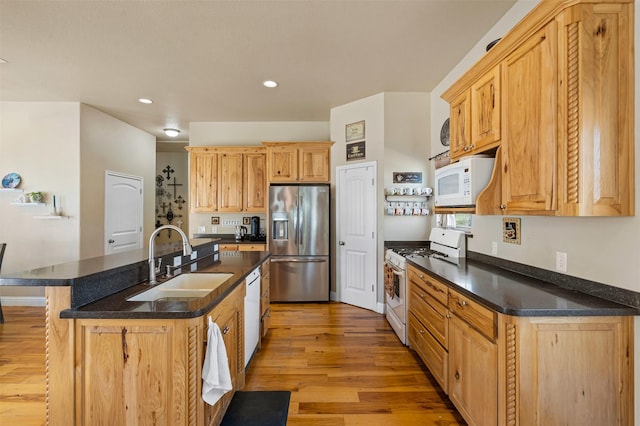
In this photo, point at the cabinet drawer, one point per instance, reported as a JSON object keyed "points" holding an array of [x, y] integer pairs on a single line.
{"points": [[435, 288], [476, 315], [430, 312], [252, 247], [434, 356]]}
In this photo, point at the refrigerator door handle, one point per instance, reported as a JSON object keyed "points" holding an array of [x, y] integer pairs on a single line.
{"points": [[296, 260], [300, 220]]}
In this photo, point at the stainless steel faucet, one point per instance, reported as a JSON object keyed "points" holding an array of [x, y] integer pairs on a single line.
{"points": [[186, 250]]}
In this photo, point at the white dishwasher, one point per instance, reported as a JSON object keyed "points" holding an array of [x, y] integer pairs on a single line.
{"points": [[251, 315]]}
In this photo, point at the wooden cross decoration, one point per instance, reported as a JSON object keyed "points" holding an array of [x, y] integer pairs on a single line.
{"points": [[174, 184], [179, 201], [168, 170]]}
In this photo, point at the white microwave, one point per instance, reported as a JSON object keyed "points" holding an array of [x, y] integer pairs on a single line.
{"points": [[458, 184]]}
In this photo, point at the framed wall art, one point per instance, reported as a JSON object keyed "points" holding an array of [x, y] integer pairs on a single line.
{"points": [[354, 131], [511, 230]]}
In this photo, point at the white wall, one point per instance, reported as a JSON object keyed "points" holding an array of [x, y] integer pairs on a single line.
{"points": [[63, 148], [178, 162], [247, 134], [41, 142], [396, 134], [110, 144]]}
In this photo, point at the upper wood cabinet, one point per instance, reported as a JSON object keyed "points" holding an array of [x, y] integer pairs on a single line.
{"points": [[529, 147], [203, 181], [298, 161], [562, 82], [596, 112], [475, 117], [227, 179]]}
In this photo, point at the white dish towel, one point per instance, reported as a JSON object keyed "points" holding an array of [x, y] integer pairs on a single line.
{"points": [[216, 377]]}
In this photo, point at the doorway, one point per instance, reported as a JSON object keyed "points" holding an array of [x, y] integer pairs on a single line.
{"points": [[123, 212], [356, 235]]}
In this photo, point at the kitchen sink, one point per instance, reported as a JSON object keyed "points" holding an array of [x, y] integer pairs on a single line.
{"points": [[183, 286]]}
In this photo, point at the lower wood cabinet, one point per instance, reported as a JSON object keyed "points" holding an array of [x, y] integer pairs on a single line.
{"points": [[473, 374], [134, 372], [505, 370], [265, 299], [229, 315]]}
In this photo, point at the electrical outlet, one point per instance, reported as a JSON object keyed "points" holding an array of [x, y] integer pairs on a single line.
{"points": [[494, 248], [246, 220], [215, 220], [561, 261]]}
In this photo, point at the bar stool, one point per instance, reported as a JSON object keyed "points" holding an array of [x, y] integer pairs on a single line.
{"points": [[2, 247]]}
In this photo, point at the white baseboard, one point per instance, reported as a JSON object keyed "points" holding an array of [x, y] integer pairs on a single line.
{"points": [[380, 308], [22, 301]]}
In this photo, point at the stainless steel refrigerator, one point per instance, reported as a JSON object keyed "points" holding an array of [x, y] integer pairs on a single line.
{"points": [[299, 242]]}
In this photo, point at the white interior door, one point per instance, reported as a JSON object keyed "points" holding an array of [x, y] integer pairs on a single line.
{"points": [[123, 213], [356, 234]]}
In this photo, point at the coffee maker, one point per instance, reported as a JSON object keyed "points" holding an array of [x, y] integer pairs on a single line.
{"points": [[255, 227]]}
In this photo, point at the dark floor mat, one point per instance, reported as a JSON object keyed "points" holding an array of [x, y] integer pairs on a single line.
{"points": [[258, 408]]}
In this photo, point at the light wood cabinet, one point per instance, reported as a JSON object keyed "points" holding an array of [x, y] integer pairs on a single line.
{"points": [[203, 181], [242, 247], [129, 372], [503, 370], [530, 82], [149, 371], [473, 360], [298, 161], [475, 117], [596, 110], [564, 75], [229, 315], [265, 299], [473, 372], [231, 182], [228, 179], [427, 323]]}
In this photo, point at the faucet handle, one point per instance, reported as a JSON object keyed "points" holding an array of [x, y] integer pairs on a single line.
{"points": [[159, 265]]}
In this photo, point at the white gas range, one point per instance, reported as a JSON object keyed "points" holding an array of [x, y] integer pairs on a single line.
{"points": [[446, 244]]}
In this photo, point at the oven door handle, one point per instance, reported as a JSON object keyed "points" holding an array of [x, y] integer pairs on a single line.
{"points": [[396, 271], [400, 274]]}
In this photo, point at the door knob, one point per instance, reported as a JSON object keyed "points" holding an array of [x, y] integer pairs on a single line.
{"points": [[341, 243], [112, 241]]}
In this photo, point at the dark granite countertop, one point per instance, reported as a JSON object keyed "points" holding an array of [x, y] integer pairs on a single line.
{"points": [[231, 238], [65, 274], [117, 306], [515, 294]]}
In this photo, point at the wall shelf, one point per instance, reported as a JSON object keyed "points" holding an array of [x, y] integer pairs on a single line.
{"points": [[51, 217], [10, 190], [28, 204]]}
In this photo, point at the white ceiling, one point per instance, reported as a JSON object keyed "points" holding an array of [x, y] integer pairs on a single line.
{"points": [[206, 60]]}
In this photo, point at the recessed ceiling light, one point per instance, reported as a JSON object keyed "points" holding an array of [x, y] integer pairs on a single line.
{"points": [[172, 133], [270, 84], [145, 101]]}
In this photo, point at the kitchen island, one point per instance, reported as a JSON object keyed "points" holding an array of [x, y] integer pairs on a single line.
{"points": [[512, 349], [109, 359]]}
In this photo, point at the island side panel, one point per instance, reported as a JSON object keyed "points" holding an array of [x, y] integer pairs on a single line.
{"points": [[59, 341]]}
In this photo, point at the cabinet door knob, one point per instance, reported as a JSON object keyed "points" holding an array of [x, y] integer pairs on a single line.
{"points": [[457, 375], [502, 206], [462, 303], [225, 330]]}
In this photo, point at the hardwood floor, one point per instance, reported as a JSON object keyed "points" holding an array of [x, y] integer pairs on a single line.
{"points": [[22, 366], [343, 365]]}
